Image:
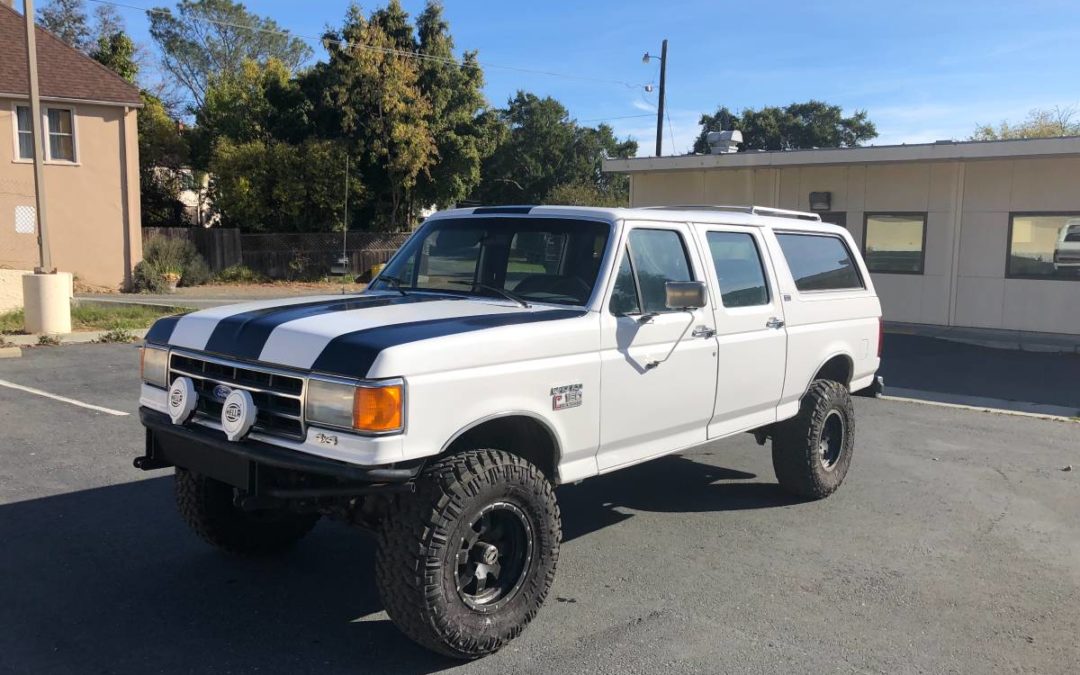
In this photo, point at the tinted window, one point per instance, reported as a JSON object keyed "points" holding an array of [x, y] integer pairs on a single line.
{"points": [[659, 257], [819, 262], [894, 243], [739, 269], [1045, 246], [624, 298]]}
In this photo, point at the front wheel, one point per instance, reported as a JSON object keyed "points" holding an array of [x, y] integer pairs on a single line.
{"points": [[812, 451], [465, 562]]}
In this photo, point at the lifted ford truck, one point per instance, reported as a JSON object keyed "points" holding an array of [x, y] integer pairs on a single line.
{"points": [[501, 352]]}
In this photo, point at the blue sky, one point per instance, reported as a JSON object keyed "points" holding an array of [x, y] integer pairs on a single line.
{"points": [[923, 70]]}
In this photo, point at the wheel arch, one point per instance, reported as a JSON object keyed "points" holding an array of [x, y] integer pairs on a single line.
{"points": [[519, 432], [838, 367]]}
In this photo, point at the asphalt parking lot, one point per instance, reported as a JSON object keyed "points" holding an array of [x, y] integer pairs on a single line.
{"points": [[954, 546]]}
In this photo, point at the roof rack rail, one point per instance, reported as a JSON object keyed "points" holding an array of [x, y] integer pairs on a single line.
{"points": [[753, 210]]}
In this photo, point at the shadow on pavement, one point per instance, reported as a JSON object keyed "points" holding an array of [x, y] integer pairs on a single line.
{"points": [[110, 580], [951, 368]]}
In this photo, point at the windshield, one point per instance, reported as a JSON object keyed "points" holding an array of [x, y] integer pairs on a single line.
{"points": [[551, 260]]}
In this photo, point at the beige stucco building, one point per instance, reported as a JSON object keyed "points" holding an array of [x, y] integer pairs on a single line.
{"points": [[983, 235], [91, 171]]}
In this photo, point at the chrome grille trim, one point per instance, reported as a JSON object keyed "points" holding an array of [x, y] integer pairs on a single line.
{"points": [[279, 394]]}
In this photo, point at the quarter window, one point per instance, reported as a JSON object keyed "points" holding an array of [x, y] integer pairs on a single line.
{"points": [[24, 132], [1044, 246], [61, 135], [894, 242], [739, 269], [819, 262]]}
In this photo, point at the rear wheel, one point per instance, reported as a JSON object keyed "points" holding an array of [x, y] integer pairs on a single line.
{"points": [[812, 451], [464, 563], [208, 506]]}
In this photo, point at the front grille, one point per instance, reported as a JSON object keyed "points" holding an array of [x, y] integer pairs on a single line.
{"points": [[278, 396]]}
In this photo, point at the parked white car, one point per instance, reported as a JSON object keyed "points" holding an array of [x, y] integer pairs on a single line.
{"points": [[501, 352], [1067, 248]]}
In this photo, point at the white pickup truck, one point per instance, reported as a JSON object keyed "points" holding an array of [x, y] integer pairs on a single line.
{"points": [[501, 352]]}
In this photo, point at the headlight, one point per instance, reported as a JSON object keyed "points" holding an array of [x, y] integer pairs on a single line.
{"points": [[367, 407], [154, 366]]}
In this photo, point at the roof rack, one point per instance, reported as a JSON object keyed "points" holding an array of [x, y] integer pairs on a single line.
{"points": [[753, 210]]}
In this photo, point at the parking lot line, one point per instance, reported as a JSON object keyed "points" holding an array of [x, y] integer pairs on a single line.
{"points": [[38, 392]]}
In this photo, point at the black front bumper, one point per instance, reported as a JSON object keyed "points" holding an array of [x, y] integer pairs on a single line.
{"points": [[259, 468]]}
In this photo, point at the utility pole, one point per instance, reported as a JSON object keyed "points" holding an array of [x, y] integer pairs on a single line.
{"points": [[44, 254], [46, 294], [660, 106]]}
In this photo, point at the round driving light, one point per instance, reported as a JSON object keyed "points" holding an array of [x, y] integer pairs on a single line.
{"points": [[182, 400], [238, 414]]}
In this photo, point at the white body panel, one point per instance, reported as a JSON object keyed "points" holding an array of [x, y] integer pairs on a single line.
{"points": [[648, 387]]}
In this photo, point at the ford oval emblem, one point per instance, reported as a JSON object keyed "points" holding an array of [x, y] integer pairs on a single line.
{"points": [[221, 392]]}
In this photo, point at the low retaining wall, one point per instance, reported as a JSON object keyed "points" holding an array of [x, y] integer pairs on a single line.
{"points": [[11, 289]]}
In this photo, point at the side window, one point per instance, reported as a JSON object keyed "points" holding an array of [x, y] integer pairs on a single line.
{"points": [[624, 297], [658, 257], [739, 269], [819, 262]]}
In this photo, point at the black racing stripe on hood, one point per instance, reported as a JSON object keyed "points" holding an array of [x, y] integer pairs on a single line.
{"points": [[352, 354], [162, 330], [244, 335]]}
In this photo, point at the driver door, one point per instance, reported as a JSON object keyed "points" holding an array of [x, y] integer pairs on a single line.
{"points": [[658, 366]]}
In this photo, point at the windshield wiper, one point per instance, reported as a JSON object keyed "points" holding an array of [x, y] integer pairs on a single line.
{"points": [[393, 282], [495, 289]]}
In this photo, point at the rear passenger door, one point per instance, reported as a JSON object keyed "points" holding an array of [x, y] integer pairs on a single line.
{"points": [[752, 341]]}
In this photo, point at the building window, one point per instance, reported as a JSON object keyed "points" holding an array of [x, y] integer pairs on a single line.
{"points": [[61, 135], [1044, 246], [24, 133], [895, 242], [819, 262]]}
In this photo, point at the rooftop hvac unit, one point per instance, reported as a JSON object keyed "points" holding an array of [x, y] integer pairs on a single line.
{"points": [[723, 142]]}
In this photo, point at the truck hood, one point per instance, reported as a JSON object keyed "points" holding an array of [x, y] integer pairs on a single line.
{"points": [[339, 334]]}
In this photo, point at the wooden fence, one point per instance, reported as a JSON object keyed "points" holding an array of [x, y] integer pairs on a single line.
{"points": [[286, 256]]}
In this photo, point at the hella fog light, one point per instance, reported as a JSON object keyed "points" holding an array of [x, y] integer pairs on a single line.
{"points": [[154, 366], [368, 407]]}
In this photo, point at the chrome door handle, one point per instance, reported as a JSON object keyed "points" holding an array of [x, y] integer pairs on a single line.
{"points": [[703, 332], [773, 322]]}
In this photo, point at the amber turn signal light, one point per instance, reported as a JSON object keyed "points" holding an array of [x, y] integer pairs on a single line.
{"points": [[378, 409]]}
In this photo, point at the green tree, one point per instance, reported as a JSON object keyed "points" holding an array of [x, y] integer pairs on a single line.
{"points": [[542, 148], [1040, 123], [461, 131], [213, 38], [813, 124], [374, 102], [163, 156], [260, 102], [67, 20], [117, 53], [281, 187]]}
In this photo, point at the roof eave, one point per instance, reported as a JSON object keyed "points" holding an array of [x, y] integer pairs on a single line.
{"points": [[954, 151]]}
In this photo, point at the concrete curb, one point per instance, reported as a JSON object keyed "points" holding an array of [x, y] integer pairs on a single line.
{"points": [[82, 337], [10, 352]]}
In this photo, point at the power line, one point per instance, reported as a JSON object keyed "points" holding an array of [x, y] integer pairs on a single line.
{"points": [[383, 50]]}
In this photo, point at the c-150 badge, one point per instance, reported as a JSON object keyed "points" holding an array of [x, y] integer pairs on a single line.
{"points": [[566, 396]]}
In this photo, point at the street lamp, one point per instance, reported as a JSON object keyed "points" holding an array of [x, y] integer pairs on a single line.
{"points": [[660, 106]]}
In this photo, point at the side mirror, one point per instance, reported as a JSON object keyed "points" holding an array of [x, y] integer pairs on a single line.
{"points": [[685, 294]]}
